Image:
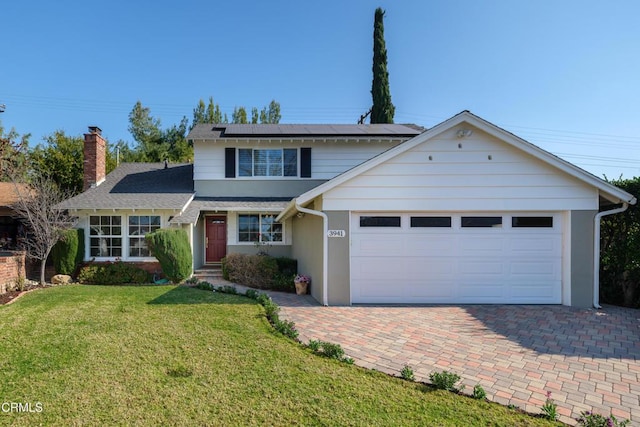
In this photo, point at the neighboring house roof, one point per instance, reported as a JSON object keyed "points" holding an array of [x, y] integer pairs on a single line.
{"points": [[8, 194], [244, 204], [139, 186], [232, 131], [608, 191]]}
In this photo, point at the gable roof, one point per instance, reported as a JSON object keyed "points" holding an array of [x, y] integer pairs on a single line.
{"points": [[222, 131], [608, 191], [139, 186]]}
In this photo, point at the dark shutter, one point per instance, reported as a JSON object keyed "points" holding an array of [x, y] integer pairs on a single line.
{"points": [[305, 162], [229, 162]]}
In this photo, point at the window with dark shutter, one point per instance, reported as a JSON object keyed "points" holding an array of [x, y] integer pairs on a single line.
{"points": [[229, 162], [305, 162]]}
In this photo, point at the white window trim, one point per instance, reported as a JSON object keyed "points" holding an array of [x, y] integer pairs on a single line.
{"points": [[129, 236], [254, 177], [260, 214], [124, 224], [89, 236]]}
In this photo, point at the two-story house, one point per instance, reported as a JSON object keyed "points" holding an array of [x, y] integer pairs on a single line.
{"points": [[464, 212]]}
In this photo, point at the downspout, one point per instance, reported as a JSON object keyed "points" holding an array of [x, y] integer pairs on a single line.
{"points": [[325, 249], [596, 251]]}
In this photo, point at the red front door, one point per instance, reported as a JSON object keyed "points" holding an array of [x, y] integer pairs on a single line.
{"points": [[215, 238]]}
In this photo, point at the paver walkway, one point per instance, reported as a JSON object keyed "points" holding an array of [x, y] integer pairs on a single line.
{"points": [[587, 359]]}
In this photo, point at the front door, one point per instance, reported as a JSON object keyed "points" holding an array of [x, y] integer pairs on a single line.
{"points": [[215, 238]]}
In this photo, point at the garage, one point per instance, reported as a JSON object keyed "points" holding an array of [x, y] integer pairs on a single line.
{"points": [[485, 258]]}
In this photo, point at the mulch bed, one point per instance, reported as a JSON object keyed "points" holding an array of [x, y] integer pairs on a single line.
{"points": [[9, 297]]}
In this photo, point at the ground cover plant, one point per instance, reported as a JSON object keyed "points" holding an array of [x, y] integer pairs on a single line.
{"points": [[166, 355]]}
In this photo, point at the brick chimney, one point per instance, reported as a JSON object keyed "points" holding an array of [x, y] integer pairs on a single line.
{"points": [[95, 151]]}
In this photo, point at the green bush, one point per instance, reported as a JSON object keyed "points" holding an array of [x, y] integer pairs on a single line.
{"points": [[171, 248], [260, 271], [620, 246], [67, 251], [113, 273], [287, 266], [407, 373], [256, 271], [445, 380]]}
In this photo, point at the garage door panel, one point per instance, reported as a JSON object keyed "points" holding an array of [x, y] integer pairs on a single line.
{"points": [[521, 245], [481, 267], [428, 245], [533, 290], [378, 267], [503, 265], [474, 244]]}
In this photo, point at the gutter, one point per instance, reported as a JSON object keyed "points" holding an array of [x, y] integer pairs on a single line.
{"points": [[325, 249], [596, 251]]}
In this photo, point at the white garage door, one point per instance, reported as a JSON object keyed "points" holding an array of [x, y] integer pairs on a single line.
{"points": [[456, 258]]}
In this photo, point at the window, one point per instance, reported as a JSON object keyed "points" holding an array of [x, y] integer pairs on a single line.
{"points": [[268, 162], [532, 222], [379, 221], [482, 221], [105, 236], [430, 221], [139, 226], [259, 228]]}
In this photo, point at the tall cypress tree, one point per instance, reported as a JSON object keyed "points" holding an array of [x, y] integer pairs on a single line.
{"points": [[382, 110]]}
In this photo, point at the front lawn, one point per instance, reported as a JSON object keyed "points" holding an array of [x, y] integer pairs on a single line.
{"points": [[98, 355]]}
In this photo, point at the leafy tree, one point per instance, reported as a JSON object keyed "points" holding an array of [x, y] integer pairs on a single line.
{"points": [[211, 113], [620, 252], [142, 125], [239, 115], [271, 113], [60, 159], [155, 144], [45, 223], [13, 154], [382, 110]]}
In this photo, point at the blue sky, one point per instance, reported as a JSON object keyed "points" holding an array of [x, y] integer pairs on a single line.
{"points": [[562, 74]]}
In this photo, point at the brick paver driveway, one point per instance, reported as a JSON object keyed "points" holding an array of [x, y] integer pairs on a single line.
{"points": [[588, 359]]}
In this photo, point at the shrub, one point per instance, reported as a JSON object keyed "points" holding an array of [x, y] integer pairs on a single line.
{"points": [[206, 286], [112, 273], [250, 270], [252, 293], [330, 350], [286, 328], [171, 248], [287, 266], [620, 243], [65, 252], [227, 289], [445, 380], [589, 419], [550, 408], [478, 392], [407, 373], [260, 271]]}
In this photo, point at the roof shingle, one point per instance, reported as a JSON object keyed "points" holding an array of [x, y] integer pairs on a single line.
{"points": [[139, 186]]}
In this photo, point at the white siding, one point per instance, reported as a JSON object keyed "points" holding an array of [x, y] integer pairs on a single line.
{"points": [[483, 174], [328, 159]]}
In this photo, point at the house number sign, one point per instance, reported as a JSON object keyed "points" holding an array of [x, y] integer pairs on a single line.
{"points": [[336, 233]]}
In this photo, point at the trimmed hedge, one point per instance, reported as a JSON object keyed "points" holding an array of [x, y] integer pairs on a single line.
{"points": [[171, 248], [620, 257], [68, 253], [260, 271], [113, 273]]}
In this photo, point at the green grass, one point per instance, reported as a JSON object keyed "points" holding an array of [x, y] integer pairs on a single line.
{"points": [[98, 355]]}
